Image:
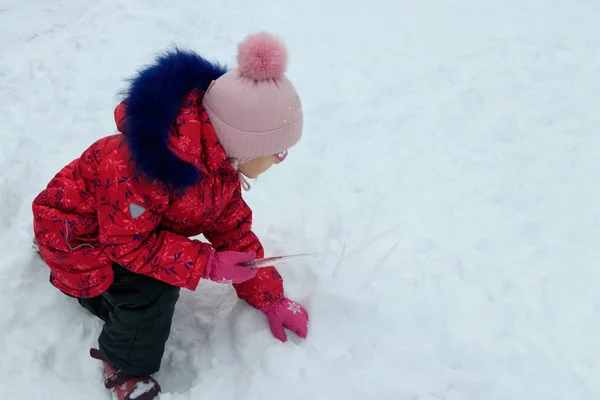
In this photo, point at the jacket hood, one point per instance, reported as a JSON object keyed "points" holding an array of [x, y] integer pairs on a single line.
{"points": [[155, 96]]}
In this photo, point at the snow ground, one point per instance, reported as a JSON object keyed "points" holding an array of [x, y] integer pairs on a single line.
{"points": [[457, 138]]}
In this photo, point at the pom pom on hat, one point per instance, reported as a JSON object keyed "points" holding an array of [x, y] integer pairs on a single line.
{"points": [[262, 56]]}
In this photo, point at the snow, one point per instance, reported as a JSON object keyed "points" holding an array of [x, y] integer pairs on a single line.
{"points": [[450, 160], [141, 388]]}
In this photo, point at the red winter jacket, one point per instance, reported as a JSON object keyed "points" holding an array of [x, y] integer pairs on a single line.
{"points": [[136, 198]]}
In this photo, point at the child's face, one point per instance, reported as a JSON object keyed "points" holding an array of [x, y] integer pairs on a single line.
{"points": [[252, 169]]}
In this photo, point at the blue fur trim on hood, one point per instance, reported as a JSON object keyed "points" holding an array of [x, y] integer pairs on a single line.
{"points": [[153, 99]]}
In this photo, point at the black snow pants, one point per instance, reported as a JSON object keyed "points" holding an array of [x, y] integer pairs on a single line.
{"points": [[137, 311]]}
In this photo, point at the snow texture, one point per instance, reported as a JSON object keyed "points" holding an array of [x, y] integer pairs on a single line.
{"points": [[451, 159], [140, 389]]}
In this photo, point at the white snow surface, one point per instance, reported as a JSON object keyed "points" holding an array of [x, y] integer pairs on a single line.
{"points": [[451, 150]]}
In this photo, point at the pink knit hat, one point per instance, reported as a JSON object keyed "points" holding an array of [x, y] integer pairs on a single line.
{"points": [[254, 109]]}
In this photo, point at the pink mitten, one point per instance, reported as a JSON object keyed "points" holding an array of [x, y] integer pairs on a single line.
{"points": [[285, 313], [223, 267]]}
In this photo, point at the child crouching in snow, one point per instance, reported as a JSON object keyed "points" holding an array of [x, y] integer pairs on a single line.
{"points": [[114, 224]]}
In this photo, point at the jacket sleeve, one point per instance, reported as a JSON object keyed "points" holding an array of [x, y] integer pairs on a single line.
{"points": [[129, 215], [233, 231]]}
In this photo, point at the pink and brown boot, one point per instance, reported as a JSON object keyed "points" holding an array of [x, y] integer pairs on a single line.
{"points": [[125, 387]]}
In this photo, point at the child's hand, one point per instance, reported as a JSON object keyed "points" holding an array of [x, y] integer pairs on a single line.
{"points": [[285, 313], [223, 267]]}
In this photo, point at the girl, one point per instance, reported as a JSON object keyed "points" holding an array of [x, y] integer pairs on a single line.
{"points": [[114, 225]]}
